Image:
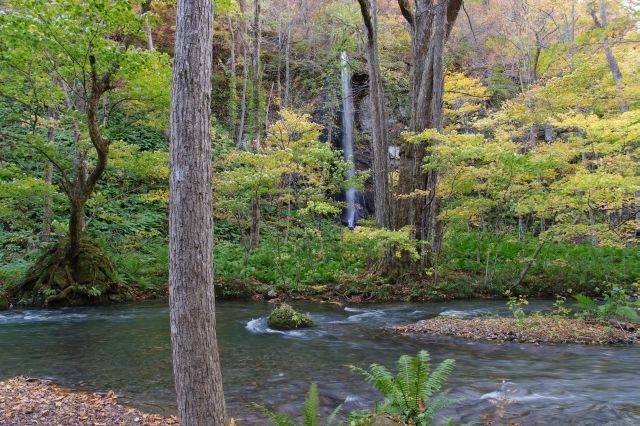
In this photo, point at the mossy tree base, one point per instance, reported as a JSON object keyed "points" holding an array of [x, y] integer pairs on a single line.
{"points": [[86, 278]]}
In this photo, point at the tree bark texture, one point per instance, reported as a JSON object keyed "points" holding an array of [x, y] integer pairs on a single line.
{"points": [[254, 232], [377, 106], [419, 204], [196, 364]]}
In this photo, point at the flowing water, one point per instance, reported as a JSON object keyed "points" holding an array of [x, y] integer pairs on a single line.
{"points": [[127, 348], [352, 194]]}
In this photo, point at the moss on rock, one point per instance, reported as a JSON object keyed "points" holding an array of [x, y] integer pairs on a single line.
{"points": [[284, 317]]}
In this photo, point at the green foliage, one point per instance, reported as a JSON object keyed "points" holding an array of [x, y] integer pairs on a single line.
{"points": [[414, 394], [311, 412], [617, 305], [284, 317], [515, 305], [559, 310]]}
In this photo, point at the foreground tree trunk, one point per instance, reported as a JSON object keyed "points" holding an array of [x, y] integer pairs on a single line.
{"points": [[196, 364], [376, 104], [430, 22]]}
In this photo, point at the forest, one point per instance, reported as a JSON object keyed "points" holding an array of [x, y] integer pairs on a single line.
{"points": [[358, 181]]}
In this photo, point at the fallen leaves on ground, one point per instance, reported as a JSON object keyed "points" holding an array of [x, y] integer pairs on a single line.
{"points": [[532, 330], [25, 402]]}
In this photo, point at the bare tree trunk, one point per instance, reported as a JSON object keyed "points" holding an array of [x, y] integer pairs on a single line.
{"points": [[240, 143], [48, 178], [144, 8], [267, 106], [376, 104], [254, 232], [196, 364], [611, 59], [287, 60], [281, 37], [255, 62], [529, 263], [233, 86]]}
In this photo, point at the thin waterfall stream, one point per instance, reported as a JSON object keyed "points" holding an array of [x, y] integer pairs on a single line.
{"points": [[352, 193]]}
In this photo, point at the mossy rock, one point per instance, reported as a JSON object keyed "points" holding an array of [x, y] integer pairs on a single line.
{"points": [[284, 317]]}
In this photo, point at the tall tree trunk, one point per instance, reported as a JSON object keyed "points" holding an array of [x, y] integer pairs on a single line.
{"points": [[76, 228], [254, 232], [611, 59], [430, 22], [255, 62], [233, 81], [287, 60], [144, 8], [196, 365], [242, 32], [376, 104], [47, 212]]}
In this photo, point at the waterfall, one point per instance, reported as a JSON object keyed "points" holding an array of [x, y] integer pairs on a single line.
{"points": [[351, 213]]}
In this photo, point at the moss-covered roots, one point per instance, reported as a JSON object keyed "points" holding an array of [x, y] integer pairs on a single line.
{"points": [[87, 277]]}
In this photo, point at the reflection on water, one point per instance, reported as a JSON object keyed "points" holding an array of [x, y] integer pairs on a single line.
{"points": [[127, 348]]}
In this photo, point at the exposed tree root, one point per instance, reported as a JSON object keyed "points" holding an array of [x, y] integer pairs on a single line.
{"points": [[54, 279]]}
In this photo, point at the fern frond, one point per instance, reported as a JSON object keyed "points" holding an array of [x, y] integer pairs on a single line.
{"points": [[277, 419], [438, 403], [423, 369], [405, 382], [379, 377], [334, 414], [311, 407], [438, 378]]}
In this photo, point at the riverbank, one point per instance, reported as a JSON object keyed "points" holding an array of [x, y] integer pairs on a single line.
{"points": [[535, 329], [26, 401]]}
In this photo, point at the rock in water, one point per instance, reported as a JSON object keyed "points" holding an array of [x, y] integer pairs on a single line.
{"points": [[284, 317]]}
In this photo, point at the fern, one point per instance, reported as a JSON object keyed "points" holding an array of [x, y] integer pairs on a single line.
{"points": [[585, 302], [311, 407], [411, 394], [277, 419], [311, 412]]}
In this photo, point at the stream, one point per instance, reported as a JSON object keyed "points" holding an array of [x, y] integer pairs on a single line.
{"points": [[127, 348]]}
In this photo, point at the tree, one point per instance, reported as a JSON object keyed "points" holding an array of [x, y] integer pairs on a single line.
{"points": [[369, 12], [430, 22], [196, 364], [75, 59], [254, 237], [611, 59]]}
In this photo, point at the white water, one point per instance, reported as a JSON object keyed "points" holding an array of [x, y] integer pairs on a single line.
{"points": [[347, 137]]}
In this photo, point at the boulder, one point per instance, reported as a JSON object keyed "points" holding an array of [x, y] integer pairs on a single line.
{"points": [[284, 317]]}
